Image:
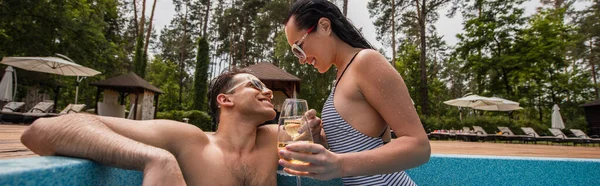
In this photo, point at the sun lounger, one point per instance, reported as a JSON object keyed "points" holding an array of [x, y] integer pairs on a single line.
{"points": [[72, 108], [529, 131], [9, 112], [42, 109], [484, 136], [466, 134], [576, 140], [441, 135], [509, 135], [19, 117], [580, 134], [12, 106]]}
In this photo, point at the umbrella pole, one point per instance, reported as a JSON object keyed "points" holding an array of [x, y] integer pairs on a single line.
{"points": [[79, 79], [15, 89], [76, 93]]}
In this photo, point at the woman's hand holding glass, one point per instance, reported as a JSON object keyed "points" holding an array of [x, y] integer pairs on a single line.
{"points": [[321, 163]]}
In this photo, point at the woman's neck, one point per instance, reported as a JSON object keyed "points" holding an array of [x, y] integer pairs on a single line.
{"points": [[343, 54]]}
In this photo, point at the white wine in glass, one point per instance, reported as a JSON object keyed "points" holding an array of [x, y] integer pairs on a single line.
{"points": [[293, 127]]}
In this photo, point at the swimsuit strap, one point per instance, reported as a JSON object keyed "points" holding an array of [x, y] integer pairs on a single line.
{"points": [[351, 60]]}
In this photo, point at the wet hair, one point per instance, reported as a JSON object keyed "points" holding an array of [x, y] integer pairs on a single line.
{"points": [[217, 86], [308, 13]]}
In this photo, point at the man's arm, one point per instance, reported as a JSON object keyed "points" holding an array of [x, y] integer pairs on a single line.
{"points": [[141, 145]]}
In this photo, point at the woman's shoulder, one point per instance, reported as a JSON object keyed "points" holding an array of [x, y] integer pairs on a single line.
{"points": [[369, 60]]}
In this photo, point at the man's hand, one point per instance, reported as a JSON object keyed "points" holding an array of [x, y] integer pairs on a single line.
{"points": [[163, 169], [322, 163]]}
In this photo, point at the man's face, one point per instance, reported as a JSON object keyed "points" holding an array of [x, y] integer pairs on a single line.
{"points": [[250, 96]]}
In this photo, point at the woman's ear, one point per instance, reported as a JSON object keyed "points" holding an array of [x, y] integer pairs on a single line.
{"points": [[325, 25], [224, 101]]}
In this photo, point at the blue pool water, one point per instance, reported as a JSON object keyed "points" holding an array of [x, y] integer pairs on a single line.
{"points": [[440, 170]]}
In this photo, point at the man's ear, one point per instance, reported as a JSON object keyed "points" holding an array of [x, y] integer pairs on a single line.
{"points": [[325, 25], [224, 100]]}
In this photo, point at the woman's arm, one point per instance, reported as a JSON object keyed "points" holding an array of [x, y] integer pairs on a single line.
{"points": [[385, 91]]}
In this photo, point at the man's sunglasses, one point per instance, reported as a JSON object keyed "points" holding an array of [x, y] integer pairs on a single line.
{"points": [[297, 47], [257, 84]]}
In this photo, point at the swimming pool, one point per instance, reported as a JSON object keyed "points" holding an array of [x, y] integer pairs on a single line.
{"points": [[440, 170]]}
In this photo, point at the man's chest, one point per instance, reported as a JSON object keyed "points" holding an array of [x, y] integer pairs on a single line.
{"points": [[216, 168]]}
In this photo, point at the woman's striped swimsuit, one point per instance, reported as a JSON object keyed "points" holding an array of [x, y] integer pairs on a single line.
{"points": [[343, 138]]}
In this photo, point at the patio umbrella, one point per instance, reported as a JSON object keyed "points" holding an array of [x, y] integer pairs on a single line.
{"points": [[499, 105], [472, 101], [557, 121], [52, 65], [6, 85]]}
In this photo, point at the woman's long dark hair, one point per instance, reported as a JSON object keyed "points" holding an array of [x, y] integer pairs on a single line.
{"points": [[308, 13]]}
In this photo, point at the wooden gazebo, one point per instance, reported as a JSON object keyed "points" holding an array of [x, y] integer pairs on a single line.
{"points": [[125, 85], [592, 115], [276, 78]]}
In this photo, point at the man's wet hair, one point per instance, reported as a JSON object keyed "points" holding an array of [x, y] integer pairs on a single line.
{"points": [[219, 85]]}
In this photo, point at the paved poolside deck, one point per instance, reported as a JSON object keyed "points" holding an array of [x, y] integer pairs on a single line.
{"points": [[11, 147]]}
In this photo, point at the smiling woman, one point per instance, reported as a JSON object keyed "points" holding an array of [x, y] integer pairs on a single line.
{"points": [[360, 110]]}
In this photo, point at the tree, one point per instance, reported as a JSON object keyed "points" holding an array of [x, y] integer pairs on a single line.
{"points": [[416, 14], [589, 47], [162, 74], [201, 75], [87, 32]]}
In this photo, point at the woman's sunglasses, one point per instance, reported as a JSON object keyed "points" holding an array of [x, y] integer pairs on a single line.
{"points": [[257, 84], [297, 47]]}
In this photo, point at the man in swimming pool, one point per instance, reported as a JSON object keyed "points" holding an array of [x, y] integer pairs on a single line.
{"points": [[240, 152]]}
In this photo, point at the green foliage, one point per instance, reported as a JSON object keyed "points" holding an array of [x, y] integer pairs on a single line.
{"points": [[163, 74], [88, 32], [139, 65], [201, 75], [197, 118]]}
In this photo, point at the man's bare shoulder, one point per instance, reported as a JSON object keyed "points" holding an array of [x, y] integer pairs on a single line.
{"points": [[267, 132], [182, 130], [268, 129]]}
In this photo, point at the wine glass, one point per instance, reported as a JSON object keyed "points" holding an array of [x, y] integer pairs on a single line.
{"points": [[293, 128]]}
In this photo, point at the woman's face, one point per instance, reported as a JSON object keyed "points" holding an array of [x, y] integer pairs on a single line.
{"points": [[311, 46]]}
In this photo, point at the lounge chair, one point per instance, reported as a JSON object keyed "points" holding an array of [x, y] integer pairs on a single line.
{"points": [[466, 134], [576, 140], [509, 135], [9, 112], [441, 135], [580, 134], [484, 136], [529, 131], [72, 108], [40, 109], [12, 106]]}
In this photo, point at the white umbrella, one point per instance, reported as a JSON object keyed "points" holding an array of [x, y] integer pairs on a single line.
{"points": [[500, 105], [473, 101], [53, 65], [6, 85], [557, 121]]}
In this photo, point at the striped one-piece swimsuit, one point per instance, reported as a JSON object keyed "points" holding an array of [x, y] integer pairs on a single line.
{"points": [[343, 138]]}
